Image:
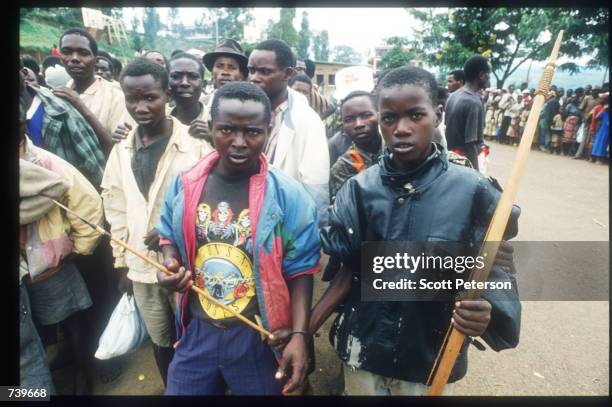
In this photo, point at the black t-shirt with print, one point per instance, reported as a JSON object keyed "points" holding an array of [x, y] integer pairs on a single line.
{"points": [[224, 258]]}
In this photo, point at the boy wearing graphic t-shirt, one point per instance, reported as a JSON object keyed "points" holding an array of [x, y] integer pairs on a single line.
{"points": [[246, 234]]}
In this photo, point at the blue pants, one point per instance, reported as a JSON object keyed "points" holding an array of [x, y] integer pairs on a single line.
{"points": [[544, 136], [208, 360]]}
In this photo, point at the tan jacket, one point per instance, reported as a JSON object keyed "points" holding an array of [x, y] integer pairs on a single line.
{"points": [[106, 102], [130, 214], [50, 233]]}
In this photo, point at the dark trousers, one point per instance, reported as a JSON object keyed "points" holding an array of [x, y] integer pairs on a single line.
{"points": [[501, 136], [208, 360]]}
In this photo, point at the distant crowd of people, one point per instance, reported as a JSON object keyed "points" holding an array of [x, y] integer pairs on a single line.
{"points": [[573, 123]]}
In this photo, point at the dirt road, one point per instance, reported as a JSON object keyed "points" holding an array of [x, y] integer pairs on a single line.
{"points": [[564, 347]]}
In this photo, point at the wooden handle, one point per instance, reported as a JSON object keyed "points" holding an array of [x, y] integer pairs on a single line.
{"points": [[164, 269], [450, 350], [193, 287]]}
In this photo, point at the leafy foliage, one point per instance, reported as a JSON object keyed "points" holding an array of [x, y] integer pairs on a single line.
{"points": [[151, 25], [397, 56], [231, 21], [320, 46], [304, 37], [346, 55], [283, 29], [510, 36]]}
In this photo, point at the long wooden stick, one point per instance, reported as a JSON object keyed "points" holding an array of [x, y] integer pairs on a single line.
{"points": [[165, 270], [454, 341]]}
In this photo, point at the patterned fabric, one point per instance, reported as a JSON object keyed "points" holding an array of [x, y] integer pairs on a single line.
{"points": [[319, 104], [285, 236], [106, 102], [69, 136], [354, 161], [569, 129]]}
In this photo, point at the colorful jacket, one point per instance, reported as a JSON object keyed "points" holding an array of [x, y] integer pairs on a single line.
{"points": [[56, 234], [285, 236]]}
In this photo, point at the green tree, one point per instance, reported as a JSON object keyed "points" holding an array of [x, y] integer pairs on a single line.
{"points": [[173, 20], [135, 35], [320, 46], [304, 38], [509, 37], [396, 56], [151, 25], [346, 55], [283, 29], [232, 22]]}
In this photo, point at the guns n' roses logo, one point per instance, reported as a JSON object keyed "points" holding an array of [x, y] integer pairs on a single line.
{"points": [[226, 273]]}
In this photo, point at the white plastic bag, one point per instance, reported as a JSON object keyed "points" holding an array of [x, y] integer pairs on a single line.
{"points": [[125, 330], [580, 134]]}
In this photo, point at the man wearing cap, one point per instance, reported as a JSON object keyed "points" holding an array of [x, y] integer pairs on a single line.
{"points": [[227, 63]]}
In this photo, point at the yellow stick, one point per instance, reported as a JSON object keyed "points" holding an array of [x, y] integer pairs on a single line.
{"points": [[450, 351], [165, 270]]}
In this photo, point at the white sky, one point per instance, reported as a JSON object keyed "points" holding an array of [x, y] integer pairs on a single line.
{"points": [[360, 28]]}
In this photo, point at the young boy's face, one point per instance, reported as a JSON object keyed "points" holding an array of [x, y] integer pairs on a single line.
{"points": [[145, 100], [239, 133], [407, 122], [359, 120]]}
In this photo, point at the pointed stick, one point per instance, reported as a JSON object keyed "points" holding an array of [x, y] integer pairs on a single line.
{"points": [[165, 270], [453, 342]]}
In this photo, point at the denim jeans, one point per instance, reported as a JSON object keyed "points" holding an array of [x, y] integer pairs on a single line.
{"points": [[33, 369], [544, 136]]}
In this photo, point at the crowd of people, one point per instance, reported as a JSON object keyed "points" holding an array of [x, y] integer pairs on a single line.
{"points": [[238, 190], [573, 123]]}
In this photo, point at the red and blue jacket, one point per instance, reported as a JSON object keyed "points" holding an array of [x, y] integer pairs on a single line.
{"points": [[285, 234]]}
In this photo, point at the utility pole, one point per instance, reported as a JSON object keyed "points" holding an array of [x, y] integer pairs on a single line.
{"points": [[605, 76]]}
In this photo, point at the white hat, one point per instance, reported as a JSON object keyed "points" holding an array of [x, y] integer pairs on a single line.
{"points": [[56, 76]]}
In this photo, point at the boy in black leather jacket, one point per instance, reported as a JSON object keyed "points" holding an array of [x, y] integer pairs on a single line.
{"points": [[412, 194]]}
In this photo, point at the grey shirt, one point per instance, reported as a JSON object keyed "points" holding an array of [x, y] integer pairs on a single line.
{"points": [[145, 160], [464, 119]]}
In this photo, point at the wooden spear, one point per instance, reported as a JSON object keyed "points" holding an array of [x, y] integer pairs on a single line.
{"points": [[445, 361], [165, 270]]}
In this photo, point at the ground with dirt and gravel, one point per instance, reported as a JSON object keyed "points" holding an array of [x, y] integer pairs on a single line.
{"points": [[564, 347]]}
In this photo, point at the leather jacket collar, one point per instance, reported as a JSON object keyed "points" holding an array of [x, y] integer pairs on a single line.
{"points": [[413, 180]]}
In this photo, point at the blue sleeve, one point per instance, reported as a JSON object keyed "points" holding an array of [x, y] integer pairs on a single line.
{"points": [[320, 194], [300, 236], [165, 226]]}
